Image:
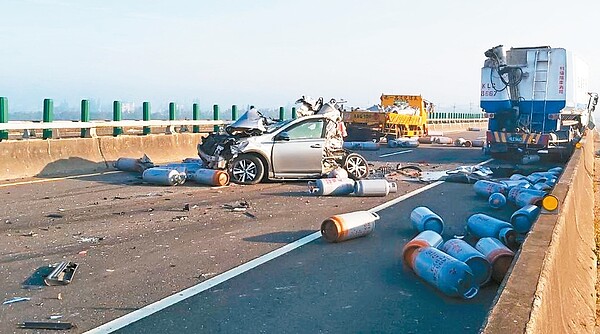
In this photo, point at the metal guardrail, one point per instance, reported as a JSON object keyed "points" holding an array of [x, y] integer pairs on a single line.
{"points": [[29, 125]]}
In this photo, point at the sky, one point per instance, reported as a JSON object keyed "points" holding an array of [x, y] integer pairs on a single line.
{"points": [[269, 53]]}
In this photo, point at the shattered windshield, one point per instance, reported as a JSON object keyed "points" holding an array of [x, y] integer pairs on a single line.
{"points": [[274, 127]]}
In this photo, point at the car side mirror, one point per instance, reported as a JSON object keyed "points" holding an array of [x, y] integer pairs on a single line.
{"points": [[283, 136]]}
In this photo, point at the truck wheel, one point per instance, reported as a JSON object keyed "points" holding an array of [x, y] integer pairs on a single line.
{"points": [[247, 169], [357, 166]]}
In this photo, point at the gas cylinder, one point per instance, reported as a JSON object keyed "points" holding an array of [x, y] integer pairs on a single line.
{"points": [[523, 218], [348, 225], [449, 275], [374, 188], [542, 186], [331, 187], [498, 255], [361, 145], [426, 238], [516, 183], [129, 165], [517, 177], [212, 177], [526, 198], [190, 167], [480, 225], [478, 143], [497, 200], [163, 176], [193, 160], [556, 171], [461, 250], [338, 173], [424, 219], [514, 192], [485, 188], [442, 140], [403, 142]]}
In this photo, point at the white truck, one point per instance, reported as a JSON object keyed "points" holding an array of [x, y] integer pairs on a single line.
{"points": [[537, 101]]}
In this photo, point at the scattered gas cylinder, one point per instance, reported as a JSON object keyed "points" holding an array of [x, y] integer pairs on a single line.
{"points": [[526, 198], [515, 192], [497, 200], [190, 167], [163, 176], [403, 142], [517, 177], [361, 145], [516, 183], [478, 143], [425, 140], [348, 225], [542, 186], [426, 238], [424, 219], [129, 165], [374, 188], [212, 177], [449, 275], [462, 142], [556, 171], [523, 218], [497, 254], [442, 140], [338, 173], [461, 250], [331, 187], [481, 225], [485, 188]]}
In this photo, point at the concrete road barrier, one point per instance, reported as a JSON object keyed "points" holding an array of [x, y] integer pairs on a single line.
{"points": [[59, 157], [551, 285]]}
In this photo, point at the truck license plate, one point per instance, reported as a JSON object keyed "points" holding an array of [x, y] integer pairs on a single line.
{"points": [[515, 139]]}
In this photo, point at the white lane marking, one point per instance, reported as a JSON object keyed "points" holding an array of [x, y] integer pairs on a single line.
{"points": [[400, 152], [159, 305], [56, 179]]}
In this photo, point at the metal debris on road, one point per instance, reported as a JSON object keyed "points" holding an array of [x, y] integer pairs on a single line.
{"points": [[62, 274], [15, 300], [54, 215], [46, 325], [29, 234], [178, 218]]}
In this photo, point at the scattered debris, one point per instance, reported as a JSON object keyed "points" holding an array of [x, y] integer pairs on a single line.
{"points": [[29, 234], [178, 218], [55, 317], [91, 239], [54, 215], [186, 207], [119, 197], [46, 325], [15, 300], [62, 274]]}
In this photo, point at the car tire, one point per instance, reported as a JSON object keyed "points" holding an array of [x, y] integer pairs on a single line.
{"points": [[246, 169], [356, 166]]}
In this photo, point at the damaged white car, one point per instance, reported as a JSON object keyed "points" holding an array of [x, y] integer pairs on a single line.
{"points": [[256, 148]]}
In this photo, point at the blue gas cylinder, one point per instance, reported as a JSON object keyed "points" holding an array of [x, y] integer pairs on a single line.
{"points": [[497, 200], [427, 238], [497, 254], [523, 218], [461, 250], [449, 275], [481, 225], [556, 171], [485, 188], [516, 183], [423, 219]]}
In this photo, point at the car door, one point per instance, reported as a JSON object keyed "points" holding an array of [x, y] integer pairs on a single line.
{"points": [[298, 149]]}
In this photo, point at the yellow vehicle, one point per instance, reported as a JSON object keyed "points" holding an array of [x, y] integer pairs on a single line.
{"points": [[399, 116]]}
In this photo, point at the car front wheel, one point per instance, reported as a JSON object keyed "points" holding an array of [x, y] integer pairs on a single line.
{"points": [[247, 169], [357, 166]]}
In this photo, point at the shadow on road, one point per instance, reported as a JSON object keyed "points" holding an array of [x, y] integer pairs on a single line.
{"points": [[282, 237]]}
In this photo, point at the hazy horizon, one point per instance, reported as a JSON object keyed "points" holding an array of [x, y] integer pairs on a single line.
{"points": [[269, 53]]}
